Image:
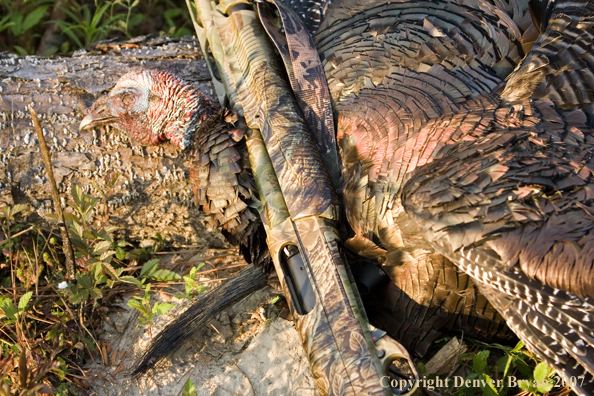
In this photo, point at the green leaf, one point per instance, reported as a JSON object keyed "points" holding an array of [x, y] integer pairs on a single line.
{"points": [[97, 270], [545, 385], [111, 229], [122, 243], [164, 275], [502, 363], [77, 194], [422, 368], [84, 281], [189, 389], [104, 234], [33, 18], [24, 300], [77, 228], [192, 274], [106, 256], [486, 386], [171, 13], [8, 308], [21, 51], [120, 253], [541, 371], [17, 23], [67, 30], [135, 304], [101, 247], [542, 382], [149, 267], [80, 296], [130, 279], [518, 347], [522, 366], [54, 218], [479, 362], [95, 292], [195, 270], [18, 208], [110, 270], [50, 51], [4, 23], [527, 386], [99, 14], [161, 309], [190, 282]]}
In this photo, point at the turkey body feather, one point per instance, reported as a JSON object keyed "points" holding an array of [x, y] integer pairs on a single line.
{"points": [[442, 156], [407, 79], [511, 204]]}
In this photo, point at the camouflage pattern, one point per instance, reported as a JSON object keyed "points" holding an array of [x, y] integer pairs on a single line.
{"points": [[301, 59], [300, 206]]}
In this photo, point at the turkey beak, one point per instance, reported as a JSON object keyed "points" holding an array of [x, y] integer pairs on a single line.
{"points": [[100, 114]]}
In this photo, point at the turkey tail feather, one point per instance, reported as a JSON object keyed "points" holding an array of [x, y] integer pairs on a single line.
{"points": [[227, 294]]}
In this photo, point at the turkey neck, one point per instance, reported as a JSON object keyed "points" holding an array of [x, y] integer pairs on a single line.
{"points": [[220, 175]]}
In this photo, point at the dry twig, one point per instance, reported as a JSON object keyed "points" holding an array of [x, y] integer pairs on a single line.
{"points": [[47, 160]]}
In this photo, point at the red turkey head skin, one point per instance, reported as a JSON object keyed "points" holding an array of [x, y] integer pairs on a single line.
{"points": [[152, 106]]}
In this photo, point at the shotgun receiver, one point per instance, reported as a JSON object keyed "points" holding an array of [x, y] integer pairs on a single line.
{"points": [[292, 150]]}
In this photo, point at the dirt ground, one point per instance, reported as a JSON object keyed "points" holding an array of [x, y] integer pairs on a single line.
{"points": [[247, 350]]}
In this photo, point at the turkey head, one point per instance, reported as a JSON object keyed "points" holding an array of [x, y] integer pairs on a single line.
{"points": [[152, 106], [155, 106]]}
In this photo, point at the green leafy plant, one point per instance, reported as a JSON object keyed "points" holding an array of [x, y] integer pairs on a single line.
{"points": [[52, 317], [189, 389], [498, 379], [94, 248], [540, 382], [150, 270], [88, 25], [148, 312], [6, 22], [192, 288], [83, 289], [84, 22], [23, 20], [173, 29], [131, 20], [12, 313], [21, 23]]}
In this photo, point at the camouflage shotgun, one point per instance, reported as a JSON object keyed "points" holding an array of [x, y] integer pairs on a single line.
{"points": [[294, 159]]}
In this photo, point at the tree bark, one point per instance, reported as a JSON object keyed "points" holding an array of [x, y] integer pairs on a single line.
{"points": [[152, 194]]}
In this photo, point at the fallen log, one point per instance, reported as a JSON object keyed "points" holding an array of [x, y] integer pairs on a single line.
{"points": [[152, 193]]}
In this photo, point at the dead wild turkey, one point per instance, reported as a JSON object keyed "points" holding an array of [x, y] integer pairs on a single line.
{"points": [[443, 162]]}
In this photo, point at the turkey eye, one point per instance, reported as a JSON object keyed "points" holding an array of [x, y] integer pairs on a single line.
{"points": [[127, 100]]}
